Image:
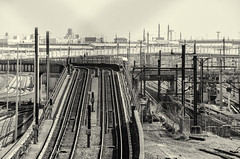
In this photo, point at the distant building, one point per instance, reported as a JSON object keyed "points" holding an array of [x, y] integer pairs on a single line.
{"points": [[90, 39], [120, 40], [16, 37], [3, 42], [51, 41], [93, 40], [13, 40], [31, 36], [70, 32], [157, 38], [6, 35]]}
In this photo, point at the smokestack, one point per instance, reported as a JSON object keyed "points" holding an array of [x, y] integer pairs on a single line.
{"points": [[116, 40], [180, 36], [158, 31], [143, 34], [218, 32], [171, 35], [168, 32]]}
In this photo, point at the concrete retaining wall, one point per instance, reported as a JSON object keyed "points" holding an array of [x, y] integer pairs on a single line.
{"points": [[137, 137]]}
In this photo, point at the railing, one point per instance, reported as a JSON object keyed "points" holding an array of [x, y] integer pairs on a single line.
{"points": [[53, 95], [97, 59], [136, 126], [137, 136], [132, 92], [127, 142]]}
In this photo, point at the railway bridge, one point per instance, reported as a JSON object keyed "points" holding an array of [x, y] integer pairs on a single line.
{"points": [[90, 112], [93, 109]]}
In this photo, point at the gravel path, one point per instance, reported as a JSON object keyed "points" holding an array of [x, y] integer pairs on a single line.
{"points": [[158, 143], [82, 150]]}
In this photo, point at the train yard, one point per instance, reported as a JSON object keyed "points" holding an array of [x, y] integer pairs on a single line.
{"points": [[104, 107], [64, 142], [94, 119], [25, 86], [109, 118]]}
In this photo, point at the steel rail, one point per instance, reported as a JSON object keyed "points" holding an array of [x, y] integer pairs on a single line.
{"points": [[81, 108], [118, 117], [41, 152], [63, 124], [102, 116]]}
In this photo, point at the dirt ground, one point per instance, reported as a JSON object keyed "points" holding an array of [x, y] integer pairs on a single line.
{"points": [[160, 144]]}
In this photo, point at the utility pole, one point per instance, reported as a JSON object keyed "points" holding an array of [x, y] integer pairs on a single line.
{"points": [[16, 108], [220, 82], [36, 87], [238, 93], [89, 126], [159, 75], [117, 49], [176, 80], [48, 63], [195, 84], [134, 65], [144, 81], [224, 53], [129, 47], [158, 31], [201, 80], [183, 77], [141, 64], [20, 74], [238, 56], [7, 80], [68, 58], [147, 43]]}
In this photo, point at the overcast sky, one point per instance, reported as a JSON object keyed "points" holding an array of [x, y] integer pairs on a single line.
{"points": [[196, 18]]}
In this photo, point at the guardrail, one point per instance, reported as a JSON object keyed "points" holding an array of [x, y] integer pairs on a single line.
{"points": [[132, 92], [136, 126], [137, 136], [125, 114]]}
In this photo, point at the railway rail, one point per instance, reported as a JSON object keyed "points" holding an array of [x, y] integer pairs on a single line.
{"points": [[66, 137], [115, 133]]}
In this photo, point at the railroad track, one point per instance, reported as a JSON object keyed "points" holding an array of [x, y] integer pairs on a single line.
{"points": [[115, 138], [154, 85], [233, 105], [25, 117], [107, 118], [64, 141]]}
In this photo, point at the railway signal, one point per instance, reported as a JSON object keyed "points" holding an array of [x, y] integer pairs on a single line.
{"points": [[89, 126], [92, 101]]}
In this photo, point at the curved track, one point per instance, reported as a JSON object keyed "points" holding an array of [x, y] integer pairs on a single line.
{"points": [[115, 138], [65, 139]]}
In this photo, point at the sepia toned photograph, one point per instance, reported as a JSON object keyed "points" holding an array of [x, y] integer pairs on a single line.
{"points": [[119, 79]]}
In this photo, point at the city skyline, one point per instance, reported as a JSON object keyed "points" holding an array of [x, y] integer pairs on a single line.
{"points": [[196, 19]]}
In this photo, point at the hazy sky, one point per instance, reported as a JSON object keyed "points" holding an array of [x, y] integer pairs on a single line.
{"points": [[196, 18]]}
